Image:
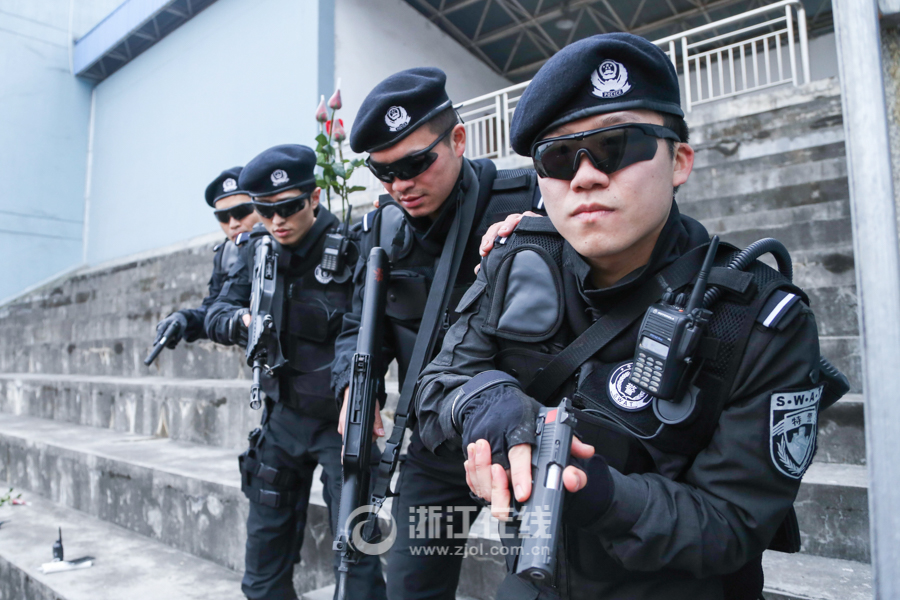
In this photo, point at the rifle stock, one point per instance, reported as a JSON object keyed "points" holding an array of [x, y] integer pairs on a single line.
{"points": [[360, 415]]}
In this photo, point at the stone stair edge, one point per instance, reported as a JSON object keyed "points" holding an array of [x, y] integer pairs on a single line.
{"points": [[127, 565], [776, 99]]}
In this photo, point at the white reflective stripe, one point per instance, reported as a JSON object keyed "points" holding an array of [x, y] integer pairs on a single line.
{"points": [[366, 222], [541, 203], [784, 302]]}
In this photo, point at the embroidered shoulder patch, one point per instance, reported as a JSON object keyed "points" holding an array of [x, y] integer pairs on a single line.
{"points": [[793, 421]]}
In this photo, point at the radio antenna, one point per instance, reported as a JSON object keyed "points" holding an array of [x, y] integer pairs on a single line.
{"points": [[700, 287]]}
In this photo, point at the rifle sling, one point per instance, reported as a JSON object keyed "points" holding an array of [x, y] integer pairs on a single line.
{"points": [[435, 306], [678, 274]]}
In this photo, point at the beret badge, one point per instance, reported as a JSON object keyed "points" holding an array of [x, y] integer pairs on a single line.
{"points": [[229, 185], [396, 118], [279, 177], [610, 80]]}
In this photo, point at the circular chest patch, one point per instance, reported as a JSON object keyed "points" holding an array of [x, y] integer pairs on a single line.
{"points": [[322, 276], [625, 394]]}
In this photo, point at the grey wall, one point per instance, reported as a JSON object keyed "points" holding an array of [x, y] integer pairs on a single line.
{"points": [[237, 78], [43, 138]]}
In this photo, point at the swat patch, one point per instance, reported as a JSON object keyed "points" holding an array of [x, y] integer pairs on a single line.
{"points": [[625, 394], [322, 276], [792, 435]]}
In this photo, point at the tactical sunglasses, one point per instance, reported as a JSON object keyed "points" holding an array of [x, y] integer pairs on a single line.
{"points": [[609, 149], [238, 211], [283, 209], [408, 167]]}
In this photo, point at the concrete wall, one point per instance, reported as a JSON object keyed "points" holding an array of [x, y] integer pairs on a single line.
{"points": [[43, 138], [375, 38], [239, 77]]}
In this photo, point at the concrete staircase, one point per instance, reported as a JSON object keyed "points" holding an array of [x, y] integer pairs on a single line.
{"points": [[138, 465]]}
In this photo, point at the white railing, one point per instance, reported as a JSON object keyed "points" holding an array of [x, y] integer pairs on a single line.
{"points": [[753, 60]]}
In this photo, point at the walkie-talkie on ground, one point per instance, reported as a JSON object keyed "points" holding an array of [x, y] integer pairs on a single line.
{"points": [[58, 547], [669, 337]]}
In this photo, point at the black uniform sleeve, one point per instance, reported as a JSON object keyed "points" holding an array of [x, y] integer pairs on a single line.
{"points": [[345, 344], [233, 296], [196, 317], [466, 352], [727, 506]]}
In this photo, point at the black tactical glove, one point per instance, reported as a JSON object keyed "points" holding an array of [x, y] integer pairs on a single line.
{"points": [[494, 408], [237, 331], [176, 334], [587, 505]]}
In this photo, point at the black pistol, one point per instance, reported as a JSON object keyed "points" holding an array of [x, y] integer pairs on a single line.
{"points": [[263, 340], [172, 329], [541, 515], [362, 403]]}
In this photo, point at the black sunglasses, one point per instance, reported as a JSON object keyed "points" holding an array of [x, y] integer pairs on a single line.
{"points": [[283, 209], [411, 165], [238, 211], [609, 149]]}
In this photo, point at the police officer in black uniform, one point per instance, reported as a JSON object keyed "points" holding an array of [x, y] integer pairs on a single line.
{"points": [[299, 423], [666, 499], [439, 205], [235, 214]]}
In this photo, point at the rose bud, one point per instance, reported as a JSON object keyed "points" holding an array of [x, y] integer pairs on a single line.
{"points": [[335, 102], [339, 134], [321, 111]]}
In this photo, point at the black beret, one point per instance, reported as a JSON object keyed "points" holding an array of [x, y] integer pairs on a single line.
{"points": [[600, 74], [397, 107], [279, 168], [226, 184]]}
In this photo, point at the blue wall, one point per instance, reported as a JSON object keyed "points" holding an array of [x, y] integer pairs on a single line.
{"points": [[237, 78], [43, 136]]}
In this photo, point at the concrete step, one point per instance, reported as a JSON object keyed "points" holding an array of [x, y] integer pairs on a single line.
{"points": [[127, 565], [833, 511], [833, 210], [764, 155], [717, 183], [214, 412], [184, 495], [737, 201], [804, 577], [807, 235], [204, 411], [842, 435], [188, 495], [37, 351]]}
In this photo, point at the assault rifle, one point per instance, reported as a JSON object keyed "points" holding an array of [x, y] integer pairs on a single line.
{"points": [[263, 343], [359, 420], [541, 514]]}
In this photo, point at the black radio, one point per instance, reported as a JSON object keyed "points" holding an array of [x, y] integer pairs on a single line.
{"points": [[334, 253], [669, 337]]}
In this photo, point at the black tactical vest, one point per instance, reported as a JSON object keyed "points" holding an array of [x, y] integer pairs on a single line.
{"points": [[529, 321], [412, 268]]}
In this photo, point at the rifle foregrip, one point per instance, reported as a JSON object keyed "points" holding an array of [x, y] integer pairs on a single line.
{"points": [[542, 513]]}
